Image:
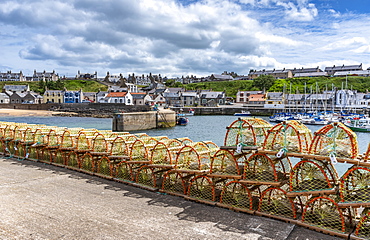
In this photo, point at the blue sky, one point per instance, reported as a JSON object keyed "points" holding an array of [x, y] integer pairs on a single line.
{"points": [[176, 38]]}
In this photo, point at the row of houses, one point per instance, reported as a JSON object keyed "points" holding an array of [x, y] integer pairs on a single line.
{"points": [[115, 95], [144, 80], [335, 98]]}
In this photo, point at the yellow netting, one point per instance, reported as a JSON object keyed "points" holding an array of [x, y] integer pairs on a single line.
{"points": [[324, 212], [274, 201], [247, 131], [289, 136], [261, 168], [312, 175], [355, 185]]}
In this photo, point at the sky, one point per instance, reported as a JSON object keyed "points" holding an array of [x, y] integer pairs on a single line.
{"points": [[177, 38]]}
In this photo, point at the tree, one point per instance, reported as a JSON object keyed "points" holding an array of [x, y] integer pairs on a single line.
{"points": [[264, 82]]}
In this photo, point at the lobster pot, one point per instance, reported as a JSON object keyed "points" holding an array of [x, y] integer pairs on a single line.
{"points": [[354, 185], [146, 176], [18, 138], [363, 227], [173, 146], [261, 169], [67, 139], [202, 188], [205, 150], [119, 147], [274, 201], [72, 160], [225, 164], [138, 151], [100, 144], [367, 153], [104, 167], [86, 163], [141, 135], [335, 140], [122, 171], [184, 140], [312, 175], [82, 141], [247, 131], [291, 136], [161, 155], [175, 183], [323, 212], [237, 195], [189, 159], [52, 144]]}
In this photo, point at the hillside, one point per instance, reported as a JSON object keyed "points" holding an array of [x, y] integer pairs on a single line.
{"points": [[39, 87], [293, 85]]}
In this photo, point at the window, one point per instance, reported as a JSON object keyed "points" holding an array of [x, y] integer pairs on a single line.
{"points": [[128, 101]]}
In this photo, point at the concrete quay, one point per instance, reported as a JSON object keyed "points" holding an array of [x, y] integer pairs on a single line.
{"points": [[41, 201]]}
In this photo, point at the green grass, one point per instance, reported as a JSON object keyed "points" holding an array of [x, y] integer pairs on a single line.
{"points": [[73, 85], [361, 84], [85, 85]]}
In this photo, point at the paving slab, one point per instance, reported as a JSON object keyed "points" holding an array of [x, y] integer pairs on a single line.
{"points": [[41, 201]]}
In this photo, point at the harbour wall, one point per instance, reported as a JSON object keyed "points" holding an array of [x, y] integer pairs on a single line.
{"points": [[143, 120]]}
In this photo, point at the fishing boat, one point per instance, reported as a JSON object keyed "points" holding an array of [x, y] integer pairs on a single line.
{"points": [[243, 113], [181, 120], [359, 125]]}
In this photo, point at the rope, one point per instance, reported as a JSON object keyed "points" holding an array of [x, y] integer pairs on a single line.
{"points": [[284, 150]]}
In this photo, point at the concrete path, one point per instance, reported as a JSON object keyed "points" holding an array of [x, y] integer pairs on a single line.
{"points": [[40, 201]]}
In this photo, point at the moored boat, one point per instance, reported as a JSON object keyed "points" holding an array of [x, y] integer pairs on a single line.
{"points": [[181, 120], [359, 125], [243, 113]]}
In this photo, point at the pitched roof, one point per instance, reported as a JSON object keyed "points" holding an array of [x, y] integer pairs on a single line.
{"points": [[344, 68], [117, 94]]}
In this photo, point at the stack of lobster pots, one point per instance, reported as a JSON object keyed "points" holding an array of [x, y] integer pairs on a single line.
{"points": [[283, 171]]}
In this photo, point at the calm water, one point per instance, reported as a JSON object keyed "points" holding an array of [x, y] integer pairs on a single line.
{"points": [[200, 128]]}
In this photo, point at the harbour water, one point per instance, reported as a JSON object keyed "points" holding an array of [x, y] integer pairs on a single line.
{"points": [[200, 128]]}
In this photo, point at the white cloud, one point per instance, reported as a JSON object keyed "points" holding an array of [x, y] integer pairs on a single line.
{"points": [[199, 38]]}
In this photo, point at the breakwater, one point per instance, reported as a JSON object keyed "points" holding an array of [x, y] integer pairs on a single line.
{"points": [[143, 120], [252, 172]]}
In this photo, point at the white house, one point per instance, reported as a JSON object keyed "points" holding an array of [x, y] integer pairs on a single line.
{"points": [[120, 97], [4, 98]]}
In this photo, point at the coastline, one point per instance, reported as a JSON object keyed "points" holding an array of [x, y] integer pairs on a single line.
{"points": [[21, 112]]}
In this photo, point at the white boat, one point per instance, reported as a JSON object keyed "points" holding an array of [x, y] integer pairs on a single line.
{"points": [[359, 125], [243, 113]]}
